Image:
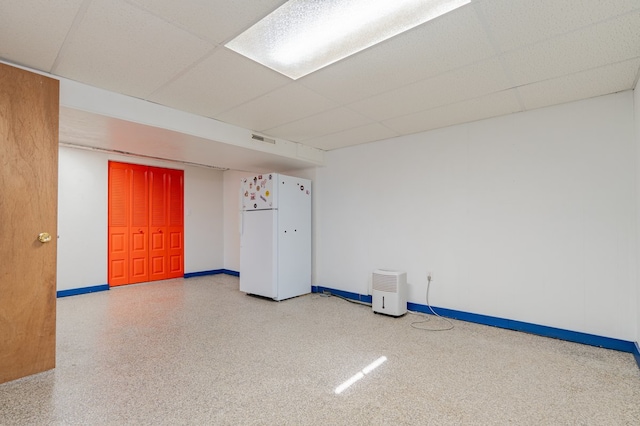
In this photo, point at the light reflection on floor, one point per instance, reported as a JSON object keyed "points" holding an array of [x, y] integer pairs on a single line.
{"points": [[360, 374]]}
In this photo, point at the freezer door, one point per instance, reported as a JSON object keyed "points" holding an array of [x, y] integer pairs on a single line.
{"points": [[294, 237], [259, 192], [258, 247]]}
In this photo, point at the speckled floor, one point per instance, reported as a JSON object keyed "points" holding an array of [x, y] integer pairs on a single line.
{"points": [[198, 351]]}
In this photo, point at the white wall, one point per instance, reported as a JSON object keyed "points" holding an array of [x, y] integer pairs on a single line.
{"points": [[232, 218], [203, 226], [636, 104], [529, 216], [82, 217]]}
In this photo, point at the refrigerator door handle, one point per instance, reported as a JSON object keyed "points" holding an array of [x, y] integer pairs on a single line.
{"points": [[241, 222]]}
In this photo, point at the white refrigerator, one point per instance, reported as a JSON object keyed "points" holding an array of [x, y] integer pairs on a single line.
{"points": [[275, 236]]}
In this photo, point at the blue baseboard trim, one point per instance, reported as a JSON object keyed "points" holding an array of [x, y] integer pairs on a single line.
{"points": [[103, 287], [636, 353], [212, 272], [83, 290], [203, 273], [346, 294], [541, 330]]}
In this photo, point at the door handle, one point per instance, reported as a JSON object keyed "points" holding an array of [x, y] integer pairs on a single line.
{"points": [[44, 237]]}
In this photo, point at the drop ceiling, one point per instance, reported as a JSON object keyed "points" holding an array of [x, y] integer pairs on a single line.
{"points": [[488, 58]]}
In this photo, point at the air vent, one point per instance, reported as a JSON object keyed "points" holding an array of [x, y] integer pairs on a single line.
{"points": [[262, 139], [388, 283]]}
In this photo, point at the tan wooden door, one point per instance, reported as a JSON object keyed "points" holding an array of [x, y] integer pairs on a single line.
{"points": [[29, 110]]}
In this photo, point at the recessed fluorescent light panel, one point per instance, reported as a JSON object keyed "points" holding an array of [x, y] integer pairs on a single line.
{"points": [[302, 36]]}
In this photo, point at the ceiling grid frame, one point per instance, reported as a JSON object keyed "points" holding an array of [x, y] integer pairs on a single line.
{"points": [[592, 44]]}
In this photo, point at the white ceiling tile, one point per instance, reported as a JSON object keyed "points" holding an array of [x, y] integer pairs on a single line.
{"points": [[609, 42], [332, 121], [283, 105], [441, 73], [594, 82], [121, 48], [214, 20], [32, 31], [358, 135], [517, 23], [220, 82], [492, 105], [446, 43], [448, 88]]}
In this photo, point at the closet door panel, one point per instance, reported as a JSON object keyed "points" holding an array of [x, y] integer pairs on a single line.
{"points": [[119, 204], [175, 209], [158, 249], [139, 230]]}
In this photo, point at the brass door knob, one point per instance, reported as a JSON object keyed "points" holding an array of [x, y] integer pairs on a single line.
{"points": [[44, 237]]}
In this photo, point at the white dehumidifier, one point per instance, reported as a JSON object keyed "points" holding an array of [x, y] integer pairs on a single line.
{"points": [[389, 292]]}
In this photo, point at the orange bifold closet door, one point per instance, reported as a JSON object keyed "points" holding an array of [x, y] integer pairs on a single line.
{"points": [[146, 223]]}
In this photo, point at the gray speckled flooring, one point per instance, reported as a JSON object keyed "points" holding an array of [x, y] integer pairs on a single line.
{"points": [[198, 351]]}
